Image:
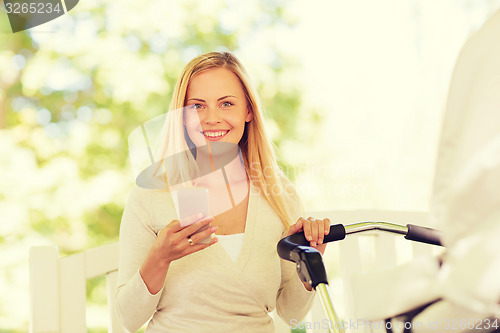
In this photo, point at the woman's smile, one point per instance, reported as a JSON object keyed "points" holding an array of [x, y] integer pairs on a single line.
{"points": [[215, 135]]}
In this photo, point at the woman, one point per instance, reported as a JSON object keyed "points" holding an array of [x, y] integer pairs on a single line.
{"points": [[165, 273]]}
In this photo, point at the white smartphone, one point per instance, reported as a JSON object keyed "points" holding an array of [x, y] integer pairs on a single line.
{"points": [[193, 201]]}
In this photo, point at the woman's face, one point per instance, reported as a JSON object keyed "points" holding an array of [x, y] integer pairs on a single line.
{"points": [[216, 107]]}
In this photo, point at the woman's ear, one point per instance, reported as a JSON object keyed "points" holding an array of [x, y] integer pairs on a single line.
{"points": [[249, 115]]}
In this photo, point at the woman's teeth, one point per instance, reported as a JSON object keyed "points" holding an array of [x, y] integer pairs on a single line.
{"points": [[215, 134]]}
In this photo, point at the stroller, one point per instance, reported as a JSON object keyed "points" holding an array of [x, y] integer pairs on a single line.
{"points": [[311, 269], [466, 201], [310, 265]]}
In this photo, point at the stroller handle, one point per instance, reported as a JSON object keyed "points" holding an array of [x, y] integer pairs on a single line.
{"points": [[423, 235], [309, 262], [288, 245]]}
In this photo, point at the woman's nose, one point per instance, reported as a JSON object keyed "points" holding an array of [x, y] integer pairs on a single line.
{"points": [[212, 116]]}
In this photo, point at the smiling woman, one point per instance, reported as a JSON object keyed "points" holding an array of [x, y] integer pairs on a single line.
{"points": [[222, 112], [165, 272]]}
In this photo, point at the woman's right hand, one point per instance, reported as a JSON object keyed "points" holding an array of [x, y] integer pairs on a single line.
{"points": [[173, 243], [173, 240]]}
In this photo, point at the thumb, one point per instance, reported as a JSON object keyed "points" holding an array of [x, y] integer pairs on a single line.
{"points": [[295, 228], [190, 220]]}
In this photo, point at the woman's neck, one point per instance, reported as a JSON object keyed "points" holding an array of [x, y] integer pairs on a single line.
{"points": [[233, 172]]}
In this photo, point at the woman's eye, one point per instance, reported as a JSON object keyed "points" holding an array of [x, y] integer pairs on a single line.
{"points": [[196, 106], [227, 104]]}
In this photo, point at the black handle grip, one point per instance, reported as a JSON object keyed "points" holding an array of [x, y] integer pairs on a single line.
{"points": [[287, 244], [309, 264], [308, 260], [424, 235]]}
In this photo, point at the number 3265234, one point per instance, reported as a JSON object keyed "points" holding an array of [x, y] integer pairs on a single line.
{"points": [[32, 8], [455, 324]]}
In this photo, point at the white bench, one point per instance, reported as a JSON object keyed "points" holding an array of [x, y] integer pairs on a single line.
{"points": [[58, 288], [58, 285]]}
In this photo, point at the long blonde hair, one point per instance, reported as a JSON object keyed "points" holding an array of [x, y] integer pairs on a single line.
{"points": [[257, 151]]}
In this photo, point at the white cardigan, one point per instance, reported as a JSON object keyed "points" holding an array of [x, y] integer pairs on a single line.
{"points": [[207, 291]]}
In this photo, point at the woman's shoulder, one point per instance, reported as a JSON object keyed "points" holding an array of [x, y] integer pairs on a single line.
{"points": [[154, 206], [147, 197], [138, 195]]}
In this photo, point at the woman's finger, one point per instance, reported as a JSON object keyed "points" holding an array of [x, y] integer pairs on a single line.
{"points": [[190, 220], [307, 230], [197, 247], [294, 228], [320, 229], [199, 236], [314, 231], [327, 225], [191, 229], [176, 225], [298, 226]]}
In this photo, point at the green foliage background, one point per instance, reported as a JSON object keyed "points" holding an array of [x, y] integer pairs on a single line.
{"points": [[72, 90]]}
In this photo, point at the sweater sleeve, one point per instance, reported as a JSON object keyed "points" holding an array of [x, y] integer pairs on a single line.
{"points": [[294, 300], [134, 303]]}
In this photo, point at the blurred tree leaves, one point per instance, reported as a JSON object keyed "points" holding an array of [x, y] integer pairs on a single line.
{"points": [[72, 90]]}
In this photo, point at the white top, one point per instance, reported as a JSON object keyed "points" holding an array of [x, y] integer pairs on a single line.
{"points": [[232, 244]]}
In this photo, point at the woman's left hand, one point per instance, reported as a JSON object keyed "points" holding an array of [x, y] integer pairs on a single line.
{"points": [[314, 230]]}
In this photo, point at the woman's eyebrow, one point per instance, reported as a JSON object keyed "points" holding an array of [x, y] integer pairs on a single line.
{"points": [[227, 97], [196, 99], [202, 100]]}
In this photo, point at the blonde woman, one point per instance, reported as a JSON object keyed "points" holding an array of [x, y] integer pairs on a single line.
{"points": [[166, 275]]}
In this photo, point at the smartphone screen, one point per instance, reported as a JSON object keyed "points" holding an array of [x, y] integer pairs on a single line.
{"points": [[191, 201]]}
